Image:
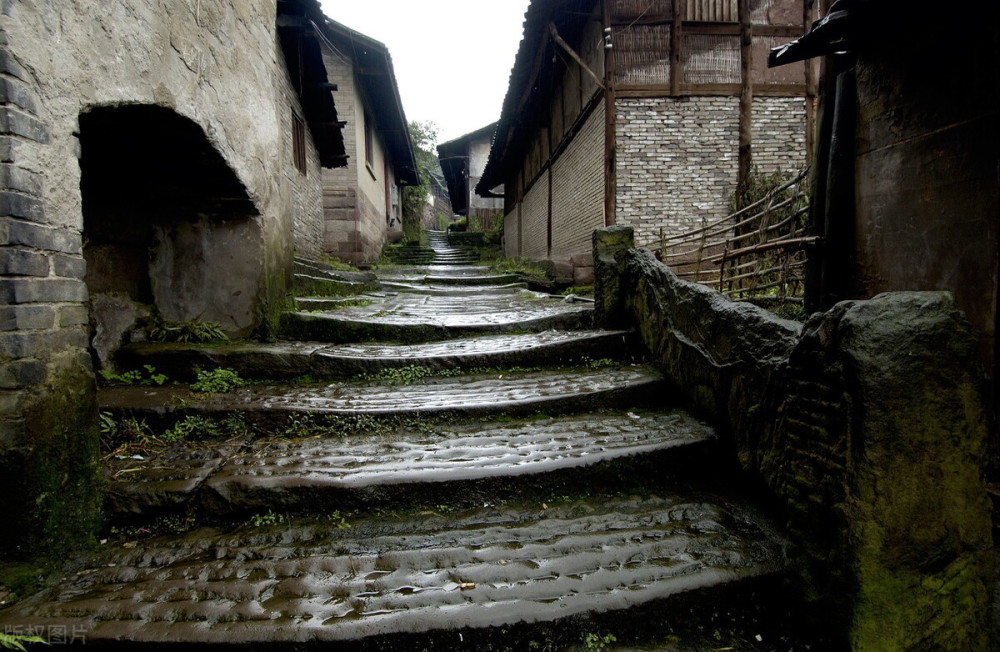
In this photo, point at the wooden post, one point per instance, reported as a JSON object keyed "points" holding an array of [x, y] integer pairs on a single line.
{"points": [[746, 94], [808, 15], [676, 36], [610, 124]]}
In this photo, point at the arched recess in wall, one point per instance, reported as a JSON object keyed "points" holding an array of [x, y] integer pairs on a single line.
{"points": [[167, 223]]}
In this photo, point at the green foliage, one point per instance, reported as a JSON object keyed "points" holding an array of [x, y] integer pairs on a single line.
{"points": [[16, 642], [339, 265], [115, 432], [217, 381], [758, 186], [189, 332], [20, 580], [521, 266], [192, 427], [595, 643], [424, 136], [270, 518], [580, 291], [339, 521], [134, 377], [166, 524], [442, 221], [401, 375], [346, 303]]}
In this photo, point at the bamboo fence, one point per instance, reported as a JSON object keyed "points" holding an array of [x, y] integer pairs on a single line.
{"points": [[758, 252]]}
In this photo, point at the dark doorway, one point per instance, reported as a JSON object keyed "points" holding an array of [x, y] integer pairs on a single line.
{"points": [[167, 223]]}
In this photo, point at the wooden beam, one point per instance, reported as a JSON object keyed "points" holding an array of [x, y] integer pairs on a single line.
{"points": [[721, 29], [714, 90], [576, 57]]}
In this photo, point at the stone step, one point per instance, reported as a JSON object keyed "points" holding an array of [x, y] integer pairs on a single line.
{"points": [[309, 267], [305, 285], [408, 317], [419, 271], [455, 465], [287, 360], [550, 392], [492, 578], [418, 286]]}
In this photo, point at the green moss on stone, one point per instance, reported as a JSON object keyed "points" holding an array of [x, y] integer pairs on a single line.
{"points": [[50, 477]]}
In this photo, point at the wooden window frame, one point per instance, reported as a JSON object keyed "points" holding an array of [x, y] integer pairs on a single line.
{"points": [[299, 145]]}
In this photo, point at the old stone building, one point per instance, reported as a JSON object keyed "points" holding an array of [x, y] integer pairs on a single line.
{"points": [[627, 112], [158, 157], [362, 201], [463, 160]]}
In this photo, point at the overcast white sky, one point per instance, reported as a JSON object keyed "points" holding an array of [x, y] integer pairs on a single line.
{"points": [[452, 57]]}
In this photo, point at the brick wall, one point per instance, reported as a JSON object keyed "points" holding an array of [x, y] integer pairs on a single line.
{"points": [[677, 157], [306, 194], [535, 220], [511, 234], [578, 190], [41, 260]]}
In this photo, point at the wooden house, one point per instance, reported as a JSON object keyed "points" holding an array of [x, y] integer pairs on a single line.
{"points": [[362, 202], [463, 161], [627, 112]]}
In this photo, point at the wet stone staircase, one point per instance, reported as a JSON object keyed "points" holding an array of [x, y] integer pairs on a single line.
{"points": [[449, 461]]}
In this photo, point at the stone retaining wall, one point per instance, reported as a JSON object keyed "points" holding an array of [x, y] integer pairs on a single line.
{"points": [[868, 426]]}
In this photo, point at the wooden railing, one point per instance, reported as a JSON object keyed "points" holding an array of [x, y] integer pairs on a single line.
{"points": [[758, 252]]}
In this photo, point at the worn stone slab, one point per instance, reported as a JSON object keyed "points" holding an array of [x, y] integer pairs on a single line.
{"points": [[411, 317], [555, 392], [284, 360], [308, 581], [394, 469], [164, 479], [398, 469], [418, 286]]}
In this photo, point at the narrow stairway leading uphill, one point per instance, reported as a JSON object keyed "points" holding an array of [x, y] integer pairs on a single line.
{"points": [[445, 461]]}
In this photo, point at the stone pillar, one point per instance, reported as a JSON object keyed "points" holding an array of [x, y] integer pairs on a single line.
{"points": [[608, 272]]}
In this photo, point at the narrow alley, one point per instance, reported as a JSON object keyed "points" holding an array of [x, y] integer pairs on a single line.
{"points": [[521, 482]]}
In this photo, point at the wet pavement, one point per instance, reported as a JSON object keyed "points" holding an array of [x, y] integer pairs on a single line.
{"points": [[436, 512], [321, 580]]}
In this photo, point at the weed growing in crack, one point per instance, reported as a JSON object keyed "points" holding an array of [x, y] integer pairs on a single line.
{"points": [[192, 427], [190, 332], [134, 377], [217, 381]]}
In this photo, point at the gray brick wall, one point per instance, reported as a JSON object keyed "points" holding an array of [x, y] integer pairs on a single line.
{"points": [[578, 190], [677, 157], [535, 220], [41, 262], [307, 197]]}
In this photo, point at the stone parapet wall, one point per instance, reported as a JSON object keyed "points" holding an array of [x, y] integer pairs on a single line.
{"points": [[868, 426], [676, 158]]}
